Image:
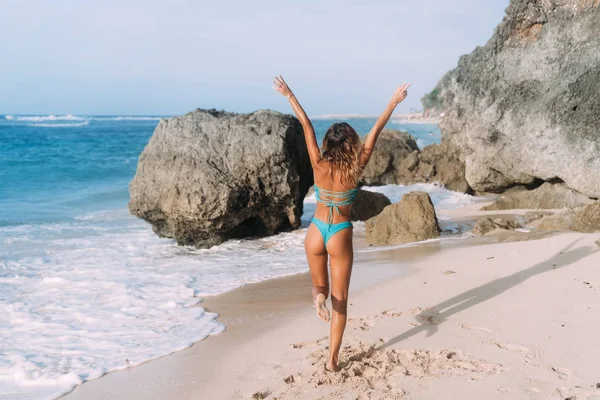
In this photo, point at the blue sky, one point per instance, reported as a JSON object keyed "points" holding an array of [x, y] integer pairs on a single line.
{"points": [[166, 58]]}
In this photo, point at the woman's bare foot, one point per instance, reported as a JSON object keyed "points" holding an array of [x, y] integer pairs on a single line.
{"points": [[332, 366], [322, 311]]}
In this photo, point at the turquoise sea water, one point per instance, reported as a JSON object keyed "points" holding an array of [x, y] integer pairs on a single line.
{"points": [[85, 286], [55, 168]]}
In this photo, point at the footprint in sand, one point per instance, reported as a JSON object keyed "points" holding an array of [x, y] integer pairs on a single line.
{"points": [[416, 310], [372, 372], [302, 345], [529, 354], [513, 347], [533, 389], [475, 328], [578, 393], [366, 323], [429, 317], [291, 379], [369, 364], [563, 373], [260, 395], [365, 326], [502, 389], [393, 313]]}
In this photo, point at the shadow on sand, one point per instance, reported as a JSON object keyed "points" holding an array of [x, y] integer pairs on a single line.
{"points": [[436, 315]]}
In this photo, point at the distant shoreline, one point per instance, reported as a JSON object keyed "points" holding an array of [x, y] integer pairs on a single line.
{"points": [[412, 118]]}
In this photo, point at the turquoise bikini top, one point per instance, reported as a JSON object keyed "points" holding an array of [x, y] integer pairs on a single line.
{"points": [[334, 200]]}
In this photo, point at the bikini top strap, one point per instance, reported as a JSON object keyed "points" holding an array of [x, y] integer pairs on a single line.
{"points": [[334, 200]]}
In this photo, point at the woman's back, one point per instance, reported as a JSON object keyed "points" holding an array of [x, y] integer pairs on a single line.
{"points": [[332, 195]]}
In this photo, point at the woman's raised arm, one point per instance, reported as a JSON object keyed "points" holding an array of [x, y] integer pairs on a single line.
{"points": [[399, 95], [309, 132]]}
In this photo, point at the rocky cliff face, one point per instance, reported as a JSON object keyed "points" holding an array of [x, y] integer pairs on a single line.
{"points": [[525, 108], [211, 176]]}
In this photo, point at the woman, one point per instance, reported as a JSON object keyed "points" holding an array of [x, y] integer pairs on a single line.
{"points": [[337, 168]]}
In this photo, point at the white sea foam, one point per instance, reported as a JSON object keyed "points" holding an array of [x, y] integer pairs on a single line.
{"points": [[81, 298], [36, 118], [70, 117], [103, 292], [127, 118], [71, 125], [442, 198]]}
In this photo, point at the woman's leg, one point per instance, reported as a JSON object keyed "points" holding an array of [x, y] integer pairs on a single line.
{"points": [[316, 255], [341, 255]]}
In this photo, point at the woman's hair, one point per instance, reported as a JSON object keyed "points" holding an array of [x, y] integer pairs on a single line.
{"points": [[341, 147]]}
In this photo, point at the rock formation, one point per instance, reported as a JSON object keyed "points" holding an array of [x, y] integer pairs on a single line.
{"points": [[441, 163], [433, 104], [412, 219], [531, 216], [367, 205], [398, 160], [547, 196], [487, 225], [525, 107], [393, 160], [583, 219], [210, 176]]}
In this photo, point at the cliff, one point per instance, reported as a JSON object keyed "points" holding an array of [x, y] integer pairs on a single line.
{"points": [[525, 108]]}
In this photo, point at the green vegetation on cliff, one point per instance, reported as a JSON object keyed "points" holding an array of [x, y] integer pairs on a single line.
{"points": [[432, 102]]}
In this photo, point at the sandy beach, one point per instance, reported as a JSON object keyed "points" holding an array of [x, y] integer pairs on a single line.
{"points": [[476, 318]]}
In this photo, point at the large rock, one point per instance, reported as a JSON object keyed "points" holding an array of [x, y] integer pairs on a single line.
{"points": [[525, 107], [531, 216], [412, 219], [583, 219], [441, 163], [487, 225], [393, 159], [367, 205], [547, 196], [211, 176], [398, 160]]}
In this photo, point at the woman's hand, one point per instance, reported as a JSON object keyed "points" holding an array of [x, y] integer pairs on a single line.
{"points": [[400, 94], [282, 87], [309, 132]]}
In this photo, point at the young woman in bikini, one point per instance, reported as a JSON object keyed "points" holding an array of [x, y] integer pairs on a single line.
{"points": [[337, 167]]}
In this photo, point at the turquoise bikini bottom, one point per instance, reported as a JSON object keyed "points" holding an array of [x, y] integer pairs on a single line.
{"points": [[328, 230]]}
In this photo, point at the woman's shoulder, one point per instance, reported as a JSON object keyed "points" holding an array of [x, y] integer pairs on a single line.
{"points": [[321, 169]]}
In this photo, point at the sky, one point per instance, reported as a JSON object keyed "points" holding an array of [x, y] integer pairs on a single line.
{"points": [[150, 57]]}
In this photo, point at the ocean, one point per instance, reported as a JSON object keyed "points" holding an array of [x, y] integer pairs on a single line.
{"points": [[86, 288]]}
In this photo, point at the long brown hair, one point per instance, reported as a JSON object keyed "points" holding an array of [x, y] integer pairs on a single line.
{"points": [[341, 147]]}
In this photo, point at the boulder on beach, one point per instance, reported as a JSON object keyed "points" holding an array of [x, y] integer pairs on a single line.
{"points": [[531, 216], [441, 163], [210, 176], [393, 159], [547, 196], [412, 219], [398, 160], [524, 108], [583, 219], [367, 205], [487, 225]]}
